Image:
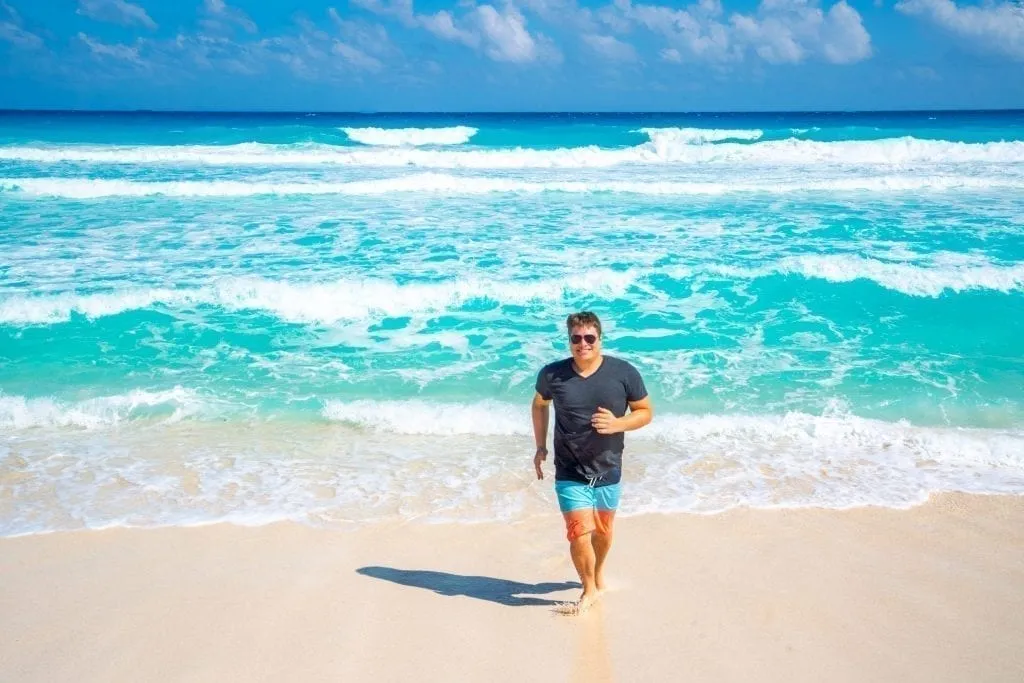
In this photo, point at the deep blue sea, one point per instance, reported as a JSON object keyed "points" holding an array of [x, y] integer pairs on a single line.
{"points": [[338, 319]]}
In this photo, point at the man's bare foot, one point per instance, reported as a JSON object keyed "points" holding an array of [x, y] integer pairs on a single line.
{"points": [[575, 609], [586, 601]]}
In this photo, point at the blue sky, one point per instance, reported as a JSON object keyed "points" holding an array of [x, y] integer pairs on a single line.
{"points": [[517, 55]]}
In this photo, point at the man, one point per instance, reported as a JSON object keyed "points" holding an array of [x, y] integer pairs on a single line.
{"points": [[591, 392]]}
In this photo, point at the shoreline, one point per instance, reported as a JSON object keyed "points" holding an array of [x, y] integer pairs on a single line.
{"points": [[932, 593]]}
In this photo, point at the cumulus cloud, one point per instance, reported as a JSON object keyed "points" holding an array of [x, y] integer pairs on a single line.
{"points": [[220, 17], [779, 32], [506, 35], [116, 12], [442, 25], [696, 31], [502, 34], [610, 47], [788, 31], [993, 26], [844, 39]]}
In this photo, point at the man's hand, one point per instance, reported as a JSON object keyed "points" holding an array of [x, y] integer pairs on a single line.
{"points": [[542, 454], [605, 422]]}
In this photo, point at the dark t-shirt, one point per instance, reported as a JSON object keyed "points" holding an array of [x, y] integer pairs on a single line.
{"points": [[581, 454]]}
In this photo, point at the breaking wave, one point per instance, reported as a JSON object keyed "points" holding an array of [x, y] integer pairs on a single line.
{"points": [[329, 302], [412, 137], [440, 183], [663, 148]]}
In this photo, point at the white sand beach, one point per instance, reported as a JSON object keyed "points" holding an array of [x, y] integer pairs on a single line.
{"points": [[935, 593]]}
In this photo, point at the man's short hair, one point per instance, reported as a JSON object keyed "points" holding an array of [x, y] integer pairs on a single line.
{"points": [[583, 319]]}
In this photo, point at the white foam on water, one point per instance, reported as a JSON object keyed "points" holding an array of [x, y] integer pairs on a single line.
{"points": [[485, 418], [932, 280], [471, 462], [435, 183], [902, 152], [667, 138], [361, 299], [18, 412], [909, 279], [313, 302], [400, 137], [425, 460], [824, 433]]}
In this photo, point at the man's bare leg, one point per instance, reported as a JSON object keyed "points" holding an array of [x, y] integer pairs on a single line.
{"points": [[583, 557], [600, 542]]}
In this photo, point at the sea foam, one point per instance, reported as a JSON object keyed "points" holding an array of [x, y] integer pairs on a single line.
{"points": [[444, 184], [913, 279], [662, 149], [311, 302], [359, 299], [423, 460], [664, 138], [413, 137], [18, 412]]}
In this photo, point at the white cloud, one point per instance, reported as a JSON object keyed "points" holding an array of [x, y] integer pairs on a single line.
{"points": [[779, 32], [19, 37], [315, 55], [370, 38], [356, 57], [442, 25], [610, 47], [670, 54], [14, 32], [402, 9], [695, 31], [116, 51], [993, 26], [224, 54], [221, 16], [115, 11], [844, 40], [566, 13], [501, 35], [506, 35]]}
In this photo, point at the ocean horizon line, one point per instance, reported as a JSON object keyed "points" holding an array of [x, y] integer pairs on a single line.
{"points": [[552, 112]]}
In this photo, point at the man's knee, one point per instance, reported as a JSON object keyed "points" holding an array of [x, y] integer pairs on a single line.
{"points": [[604, 521], [579, 523]]}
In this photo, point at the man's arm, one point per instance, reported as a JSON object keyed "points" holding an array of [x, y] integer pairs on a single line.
{"points": [[640, 414], [540, 411]]}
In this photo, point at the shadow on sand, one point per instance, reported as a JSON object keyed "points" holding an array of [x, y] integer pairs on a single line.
{"points": [[480, 587]]}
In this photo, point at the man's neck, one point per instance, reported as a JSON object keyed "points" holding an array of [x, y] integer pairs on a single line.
{"points": [[587, 367]]}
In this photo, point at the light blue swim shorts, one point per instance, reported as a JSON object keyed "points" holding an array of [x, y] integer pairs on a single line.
{"points": [[574, 495]]}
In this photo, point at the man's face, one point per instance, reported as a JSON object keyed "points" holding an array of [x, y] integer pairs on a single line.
{"points": [[584, 342]]}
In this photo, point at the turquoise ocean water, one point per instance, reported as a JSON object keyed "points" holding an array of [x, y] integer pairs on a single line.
{"points": [[339, 318]]}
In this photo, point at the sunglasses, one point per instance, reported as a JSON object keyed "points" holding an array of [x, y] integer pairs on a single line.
{"points": [[577, 338]]}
